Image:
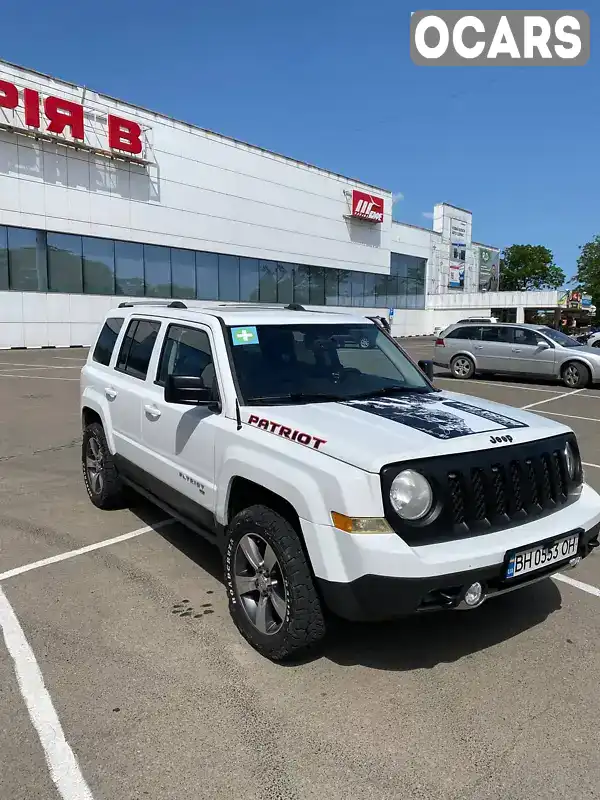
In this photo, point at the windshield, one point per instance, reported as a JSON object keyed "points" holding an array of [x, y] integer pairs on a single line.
{"points": [[560, 338], [277, 364]]}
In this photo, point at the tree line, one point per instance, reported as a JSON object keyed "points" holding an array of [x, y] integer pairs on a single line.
{"points": [[528, 267]]}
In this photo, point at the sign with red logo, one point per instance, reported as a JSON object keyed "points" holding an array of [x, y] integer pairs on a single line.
{"points": [[26, 111], [367, 206]]}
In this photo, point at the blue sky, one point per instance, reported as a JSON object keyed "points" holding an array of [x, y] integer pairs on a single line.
{"points": [[331, 82]]}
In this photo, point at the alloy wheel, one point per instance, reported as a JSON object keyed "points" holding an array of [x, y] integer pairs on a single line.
{"points": [[571, 375], [259, 583], [94, 465], [462, 367]]}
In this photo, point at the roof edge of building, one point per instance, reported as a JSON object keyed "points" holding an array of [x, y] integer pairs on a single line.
{"points": [[296, 161]]}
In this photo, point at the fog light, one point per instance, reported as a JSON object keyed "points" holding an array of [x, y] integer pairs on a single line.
{"points": [[474, 594]]}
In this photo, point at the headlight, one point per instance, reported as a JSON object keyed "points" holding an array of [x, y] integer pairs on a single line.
{"points": [[571, 462], [411, 495]]}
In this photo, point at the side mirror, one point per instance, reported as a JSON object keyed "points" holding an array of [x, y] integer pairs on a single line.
{"points": [[543, 346], [188, 390], [426, 366]]}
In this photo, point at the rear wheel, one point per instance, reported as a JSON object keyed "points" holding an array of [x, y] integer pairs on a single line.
{"points": [[104, 486], [272, 597], [596, 343], [575, 375], [462, 367]]}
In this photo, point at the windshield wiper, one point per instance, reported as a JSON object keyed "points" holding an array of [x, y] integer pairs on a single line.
{"points": [[390, 390], [295, 397]]}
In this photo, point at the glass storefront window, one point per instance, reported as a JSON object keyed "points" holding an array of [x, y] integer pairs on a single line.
{"points": [[65, 263], [98, 266], [285, 283], [358, 289], [229, 278], [344, 288], [207, 276], [317, 286], [3, 259], [370, 282], [129, 269], [331, 287], [25, 266], [157, 271], [301, 284], [268, 281], [249, 280], [183, 274]]}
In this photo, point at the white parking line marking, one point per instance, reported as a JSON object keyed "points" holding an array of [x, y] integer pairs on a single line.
{"points": [[585, 587], [550, 399], [505, 386], [21, 367], [61, 760], [587, 464], [35, 377], [570, 416], [11, 573]]}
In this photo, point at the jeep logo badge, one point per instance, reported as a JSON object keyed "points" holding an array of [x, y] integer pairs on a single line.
{"points": [[499, 439]]}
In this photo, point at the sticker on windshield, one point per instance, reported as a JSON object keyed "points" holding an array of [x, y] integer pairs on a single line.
{"points": [[247, 335]]}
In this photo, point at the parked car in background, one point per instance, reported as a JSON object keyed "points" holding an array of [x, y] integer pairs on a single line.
{"points": [[477, 319], [512, 349], [593, 339]]}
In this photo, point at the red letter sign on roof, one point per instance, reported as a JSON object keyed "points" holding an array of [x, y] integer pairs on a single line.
{"points": [[124, 135]]}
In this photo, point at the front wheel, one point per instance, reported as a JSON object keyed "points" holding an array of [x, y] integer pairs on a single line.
{"points": [[596, 343], [575, 375], [462, 367], [272, 597]]}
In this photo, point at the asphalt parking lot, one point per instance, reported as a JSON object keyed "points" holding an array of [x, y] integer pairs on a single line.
{"points": [[133, 683]]}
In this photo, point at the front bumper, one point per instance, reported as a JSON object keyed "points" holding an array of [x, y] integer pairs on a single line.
{"points": [[380, 597]]}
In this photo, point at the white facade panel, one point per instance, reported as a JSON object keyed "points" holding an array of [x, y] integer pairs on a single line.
{"points": [[201, 191]]}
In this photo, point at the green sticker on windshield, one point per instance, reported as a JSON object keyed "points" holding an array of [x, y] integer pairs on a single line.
{"points": [[246, 335]]}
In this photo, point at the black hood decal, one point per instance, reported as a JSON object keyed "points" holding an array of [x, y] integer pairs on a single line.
{"points": [[431, 414]]}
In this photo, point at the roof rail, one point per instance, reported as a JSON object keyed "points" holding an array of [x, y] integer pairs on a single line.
{"points": [[172, 304]]}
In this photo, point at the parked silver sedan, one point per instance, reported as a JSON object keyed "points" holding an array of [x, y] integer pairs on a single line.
{"points": [[520, 350]]}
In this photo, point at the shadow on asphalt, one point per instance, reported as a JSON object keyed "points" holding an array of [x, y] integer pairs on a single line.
{"points": [[423, 642], [418, 642], [501, 379]]}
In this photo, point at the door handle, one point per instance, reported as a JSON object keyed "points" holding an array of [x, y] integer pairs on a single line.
{"points": [[152, 411], [516, 349], [478, 347], [111, 394]]}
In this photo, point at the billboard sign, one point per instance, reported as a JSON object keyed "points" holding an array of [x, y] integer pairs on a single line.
{"points": [[458, 231], [489, 270], [367, 206], [457, 275]]}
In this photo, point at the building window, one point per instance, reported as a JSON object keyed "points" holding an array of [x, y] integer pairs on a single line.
{"points": [[129, 269], [65, 263], [285, 283], [331, 287], [26, 266], [268, 281], [301, 284], [98, 266], [458, 253], [157, 271], [317, 286], [249, 280], [183, 274], [345, 288], [4, 284], [207, 276], [229, 278]]}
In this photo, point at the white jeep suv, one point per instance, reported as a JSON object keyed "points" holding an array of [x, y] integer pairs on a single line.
{"points": [[330, 475]]}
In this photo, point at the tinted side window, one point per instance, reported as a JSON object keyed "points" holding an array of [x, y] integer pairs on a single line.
{"points": [[528, 337], [469, 332], [496, 333], [186, 351], [106, 341], [137, 346]]}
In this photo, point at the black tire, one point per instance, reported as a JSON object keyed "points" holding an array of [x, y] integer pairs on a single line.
{"points": [[462, 367], [596, 343], [575, 375], [300, 626], [108, 492]]}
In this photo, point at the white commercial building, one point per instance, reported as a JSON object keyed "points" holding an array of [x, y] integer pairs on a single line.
{"points": [[101, 201]]}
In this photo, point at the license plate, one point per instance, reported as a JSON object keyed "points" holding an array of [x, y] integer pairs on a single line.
{"points": [[543, 555]]}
